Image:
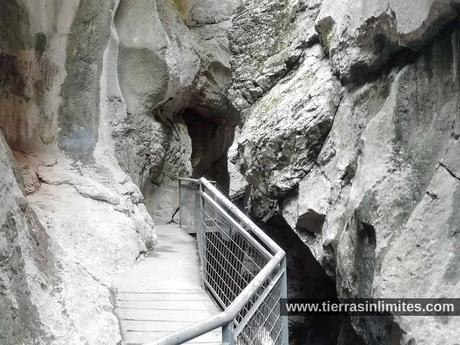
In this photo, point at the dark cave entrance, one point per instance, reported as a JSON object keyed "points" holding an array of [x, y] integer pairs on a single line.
{"points": [[210, 135], [210, 142], [308, 279]]}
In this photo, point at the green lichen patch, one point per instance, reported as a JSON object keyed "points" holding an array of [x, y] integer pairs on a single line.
{"points": [[271, 104], [181, 7]]}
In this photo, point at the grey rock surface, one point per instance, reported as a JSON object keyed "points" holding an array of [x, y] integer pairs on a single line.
{"points": [[25, 261], [70, 217], [361, 36], [267, 42], [362, 169], [173, 71], [96, 103], [283, 132], [349, 137], [78, 118]]}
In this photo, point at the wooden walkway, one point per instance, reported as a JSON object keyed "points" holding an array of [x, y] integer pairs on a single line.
{"points": [[163, 293]]}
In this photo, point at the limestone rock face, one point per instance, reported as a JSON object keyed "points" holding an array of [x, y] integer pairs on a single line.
{"points": [[361, 36], [100, 110], [278, 143], [387, 223], [357, 148], [25, 262], [267, 41], [173, 71], [70, 216], [285, 89], [348, 115]]}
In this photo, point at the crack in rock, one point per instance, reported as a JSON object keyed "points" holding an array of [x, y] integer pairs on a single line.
{"points": [[450, 171]]}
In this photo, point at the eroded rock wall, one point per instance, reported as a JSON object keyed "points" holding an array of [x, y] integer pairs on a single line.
{"points": [[351, 134], [70, 216], [26, 265], [173, 72], [100, 102]]}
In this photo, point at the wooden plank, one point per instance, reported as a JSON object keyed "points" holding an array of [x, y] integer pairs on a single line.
{"points": [[163, 293], [191, 304], [168, 315], [142, 337]]}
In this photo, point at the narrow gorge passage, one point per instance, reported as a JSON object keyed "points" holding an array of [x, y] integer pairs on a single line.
{"points": [[210, 143], [334, 124], [307, 279]]}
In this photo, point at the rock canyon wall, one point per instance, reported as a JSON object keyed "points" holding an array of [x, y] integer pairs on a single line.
{"points": [[98, 101], [347, 149], [351, 133]]}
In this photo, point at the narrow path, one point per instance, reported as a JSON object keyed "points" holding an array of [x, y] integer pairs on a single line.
{"points": [[163, 293]]}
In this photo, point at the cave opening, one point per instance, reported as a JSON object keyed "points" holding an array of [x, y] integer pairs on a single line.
{"points": [[211, 140], [198, 145], [308, 279], [311, 222]]}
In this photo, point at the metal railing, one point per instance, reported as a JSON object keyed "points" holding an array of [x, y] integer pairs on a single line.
{"points": [[242, 269]]}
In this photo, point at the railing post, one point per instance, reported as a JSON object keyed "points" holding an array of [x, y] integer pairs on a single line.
{"points": [[180, 200], [228, 334], [198, 216], [197, 209], [284, 289]]}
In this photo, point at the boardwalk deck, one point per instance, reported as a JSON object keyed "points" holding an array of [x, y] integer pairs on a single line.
{"points": [[163, 293]]}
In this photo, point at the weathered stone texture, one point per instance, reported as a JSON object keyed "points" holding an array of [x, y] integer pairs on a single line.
{"points": [[173, 71], [360, 36], [74, 218], [283, 132], [95, 102], [25, 262], [349, 118], [363, 170]]}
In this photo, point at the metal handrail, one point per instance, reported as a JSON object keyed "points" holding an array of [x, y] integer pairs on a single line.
{"points": [[254, 228], [225, 319]]}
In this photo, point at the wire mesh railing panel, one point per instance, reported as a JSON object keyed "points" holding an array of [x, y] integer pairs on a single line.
{"points": [[234, 216], [233, 253], [265, 325], [189, 205], [229, 261]]}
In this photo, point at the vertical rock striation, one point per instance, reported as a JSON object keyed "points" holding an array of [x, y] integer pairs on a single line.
{"points": [[101, 105], [70, 217]]}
